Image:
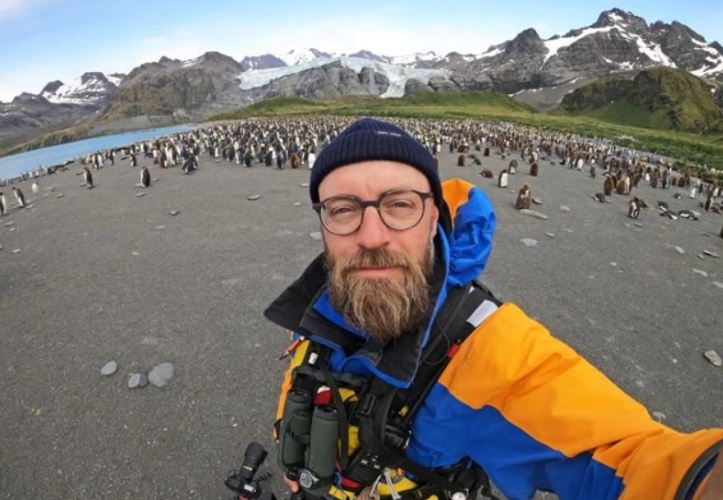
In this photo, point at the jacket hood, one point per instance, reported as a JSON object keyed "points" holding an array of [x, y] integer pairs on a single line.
{"points": [[470, 237]]}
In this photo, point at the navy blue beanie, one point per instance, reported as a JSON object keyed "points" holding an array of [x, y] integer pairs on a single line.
{"points": [[369, 139]]}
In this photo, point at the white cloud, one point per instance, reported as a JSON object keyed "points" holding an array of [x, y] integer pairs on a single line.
{"points": [[15, 8]]}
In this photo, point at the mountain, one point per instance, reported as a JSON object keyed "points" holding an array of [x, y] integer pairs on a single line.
{"points": [[58, 105], [663, 98], [534, 70], [185, 90]]}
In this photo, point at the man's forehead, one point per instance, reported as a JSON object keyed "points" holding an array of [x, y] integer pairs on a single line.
{"points": [[374, 177]]}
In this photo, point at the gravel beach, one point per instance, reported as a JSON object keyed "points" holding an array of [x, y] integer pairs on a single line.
{"points": [[106, 275]]}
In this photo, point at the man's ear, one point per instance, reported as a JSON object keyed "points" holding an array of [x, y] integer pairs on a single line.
{"points": [[433, 220]]}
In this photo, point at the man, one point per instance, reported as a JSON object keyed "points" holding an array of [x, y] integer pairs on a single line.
{"points": [[393, 290]]}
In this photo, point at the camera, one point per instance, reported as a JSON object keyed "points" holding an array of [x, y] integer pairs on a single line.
{"points": [[244, 481]]}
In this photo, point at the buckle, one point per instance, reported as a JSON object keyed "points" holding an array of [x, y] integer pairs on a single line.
{"points": [[366, 405]]}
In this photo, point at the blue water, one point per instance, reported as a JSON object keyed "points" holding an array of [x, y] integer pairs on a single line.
{"points": [[12, 166]]}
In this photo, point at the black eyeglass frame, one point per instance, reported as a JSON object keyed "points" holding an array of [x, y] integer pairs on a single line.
{"points": [[377, 205]]}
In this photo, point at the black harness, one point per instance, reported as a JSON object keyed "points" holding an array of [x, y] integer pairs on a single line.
{"points": [[384, 413]]}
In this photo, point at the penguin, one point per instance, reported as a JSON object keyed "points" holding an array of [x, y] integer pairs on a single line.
{"points": [[475, 159], [600, 197], [663, 206], [3, 205], [512, 167], [721, 232], [677, 196], [524, 198], [620, 187], [534, 169], [503, 179], [486, 151], [687, 214], [88, 177], [19, 196], [592, 170], [608, 185], [633, 208], [145, 177], [35, 187], [487, 173], [460, 160], [189, 165]]}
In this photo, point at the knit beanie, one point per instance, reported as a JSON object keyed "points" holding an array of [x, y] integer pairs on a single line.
{"points": [[369, 139]]}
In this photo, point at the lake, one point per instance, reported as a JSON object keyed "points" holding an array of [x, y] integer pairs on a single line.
{"points": [[14, 165]]}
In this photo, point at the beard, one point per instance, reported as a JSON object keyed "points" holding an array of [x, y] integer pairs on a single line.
{"points": [[383, 308]]}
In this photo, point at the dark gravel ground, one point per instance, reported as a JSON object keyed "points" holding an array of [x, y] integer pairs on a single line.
{"points": [[97, 279]]}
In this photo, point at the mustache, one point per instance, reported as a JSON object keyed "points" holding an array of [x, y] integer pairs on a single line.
{"points": [[366, 258]]}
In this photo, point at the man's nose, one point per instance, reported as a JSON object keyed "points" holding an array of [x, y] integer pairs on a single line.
{"points": [[373, 233]]}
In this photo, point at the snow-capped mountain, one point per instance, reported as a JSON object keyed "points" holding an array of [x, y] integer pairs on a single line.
{"points": [[89, 89], [535, 70]]}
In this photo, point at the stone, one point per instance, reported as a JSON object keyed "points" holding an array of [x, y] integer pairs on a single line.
{"points": [[173, 212], [614, 264], [316, 235], [537, 201], [297, 204], [718, 284], [701, 272], [638, 224], [305, 184], [679, 250], [550, 235], [659, 416], [61, 195], [17, 250], [140, 195], [8, 224], [713, 358], [254, 197], [135, 253], [161, 227], [534, 213], [137, 381], [109, 368], [701, 256], [564, 208], [529, 242], [162, 374], [710, 253], [12, 229]]}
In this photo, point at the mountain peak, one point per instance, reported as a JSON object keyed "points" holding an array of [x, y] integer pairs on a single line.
{"points": [[52, 86]]}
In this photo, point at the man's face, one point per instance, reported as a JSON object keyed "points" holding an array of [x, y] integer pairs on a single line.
{"points": [[379, 276]]}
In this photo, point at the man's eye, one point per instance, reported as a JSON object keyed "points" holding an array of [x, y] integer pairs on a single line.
{"points": [[342, 210]]}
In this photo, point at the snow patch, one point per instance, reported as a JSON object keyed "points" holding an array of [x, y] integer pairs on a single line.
{"points": [[66, 93], [300, 56], [651, 50], [489, 53], [115, 80], [711, 68], [554, 45]]}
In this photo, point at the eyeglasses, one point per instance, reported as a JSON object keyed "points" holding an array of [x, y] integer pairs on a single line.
{"points": [[398, 210]]}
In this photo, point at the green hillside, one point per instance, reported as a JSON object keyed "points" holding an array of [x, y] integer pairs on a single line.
{"points": [[659, 98]]}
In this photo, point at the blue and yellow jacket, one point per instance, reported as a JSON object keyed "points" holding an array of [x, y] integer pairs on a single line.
{"points": [[521, 404]]}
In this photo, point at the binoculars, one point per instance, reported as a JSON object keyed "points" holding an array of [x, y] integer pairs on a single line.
{"points": [[309, 442]]}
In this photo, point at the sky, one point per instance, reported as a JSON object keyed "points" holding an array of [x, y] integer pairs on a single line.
{"points": [[46, 40]]}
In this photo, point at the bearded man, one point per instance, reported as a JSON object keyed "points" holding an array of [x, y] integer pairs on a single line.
{"points": [[409, 380]]}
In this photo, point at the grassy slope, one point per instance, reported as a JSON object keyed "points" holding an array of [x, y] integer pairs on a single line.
{"points": [[662, 98]]}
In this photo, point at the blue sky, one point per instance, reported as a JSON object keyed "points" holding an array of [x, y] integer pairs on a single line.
{"points": [[44, 40]]}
